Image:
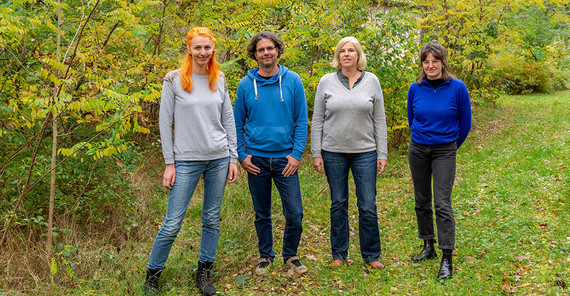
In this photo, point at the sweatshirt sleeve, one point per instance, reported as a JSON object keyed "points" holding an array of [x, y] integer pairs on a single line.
{"points": [[380, 129], [165, 120], [464, 114], [318, 119], [229, 124], [301, 121], [240, 118]]}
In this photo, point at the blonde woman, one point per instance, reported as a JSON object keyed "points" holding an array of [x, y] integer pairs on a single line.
{"points": [[349, 133]]}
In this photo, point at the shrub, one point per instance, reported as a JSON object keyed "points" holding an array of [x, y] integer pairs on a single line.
{"points": [[514, 74]]}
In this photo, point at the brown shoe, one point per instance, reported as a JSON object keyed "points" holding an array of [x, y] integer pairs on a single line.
{"points": [[295, 264], [377, 265], [336, 263], [262, 266]]}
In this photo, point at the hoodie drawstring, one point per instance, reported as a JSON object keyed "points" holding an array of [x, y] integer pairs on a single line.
{"points": [[255, 88], [280, 88]]}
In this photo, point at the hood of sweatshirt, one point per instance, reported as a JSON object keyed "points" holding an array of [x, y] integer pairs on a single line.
{"points": [[254, 75]]}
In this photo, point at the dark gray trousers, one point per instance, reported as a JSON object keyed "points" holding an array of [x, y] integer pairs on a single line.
{"points": [[435, 162]]}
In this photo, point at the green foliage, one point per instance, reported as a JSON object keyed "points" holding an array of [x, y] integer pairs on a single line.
{"points": [[90, 89], [501, 46], [534, 55], [517, 75], [64, 257], [87, 191]]}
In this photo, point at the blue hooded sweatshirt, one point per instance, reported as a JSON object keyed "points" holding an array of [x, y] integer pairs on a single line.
{"points": [[439, 116], [271, 115]]}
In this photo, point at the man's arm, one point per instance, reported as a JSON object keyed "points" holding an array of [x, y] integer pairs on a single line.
{"points": [[301, 121], [301, 130], [240, 117]]}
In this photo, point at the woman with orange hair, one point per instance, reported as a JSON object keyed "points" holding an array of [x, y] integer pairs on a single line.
{"points": [[198, 137]]}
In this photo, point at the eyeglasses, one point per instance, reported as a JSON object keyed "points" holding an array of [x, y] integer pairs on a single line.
{"points": [[434, 63], [262, 50]]}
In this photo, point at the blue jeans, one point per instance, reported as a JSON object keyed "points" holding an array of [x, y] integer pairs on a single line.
{"points": [[188, 173], [363, 166], [437, 163], [290, 191]]}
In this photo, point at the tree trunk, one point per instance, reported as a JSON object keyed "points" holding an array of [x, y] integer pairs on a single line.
{"points": [[53, 152], [156, 50]]}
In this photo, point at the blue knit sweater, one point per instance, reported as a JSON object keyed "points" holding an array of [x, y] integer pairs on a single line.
{"points": [[438, 116]]}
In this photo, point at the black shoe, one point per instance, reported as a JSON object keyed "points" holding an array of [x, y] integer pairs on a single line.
{"points": [[446, 269], [203, 275], [151, 282], [427, 253]]}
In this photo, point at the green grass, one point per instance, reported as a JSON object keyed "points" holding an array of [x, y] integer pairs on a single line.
{"points": [[511, 202]]}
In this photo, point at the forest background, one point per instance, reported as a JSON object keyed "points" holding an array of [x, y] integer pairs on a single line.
{"points": [[80, 85]]}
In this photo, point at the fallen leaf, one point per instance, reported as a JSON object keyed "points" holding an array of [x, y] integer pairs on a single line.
{"points": [[521, 257]]}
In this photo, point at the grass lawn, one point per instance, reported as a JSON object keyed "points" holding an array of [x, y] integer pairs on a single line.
{"points": [[511, 201]]}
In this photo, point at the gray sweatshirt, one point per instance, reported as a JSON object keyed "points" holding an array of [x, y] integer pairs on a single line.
{"points": [[203, 121], [349, 120]]}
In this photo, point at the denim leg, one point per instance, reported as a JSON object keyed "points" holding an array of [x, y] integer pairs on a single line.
{"points": [[444, 162], [260, 189], [420, 168], [336, 170], [187, 176], [290, 192], [215, 176], [363, 166]]}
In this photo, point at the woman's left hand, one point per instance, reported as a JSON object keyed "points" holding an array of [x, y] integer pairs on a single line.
{"points": [[232, 172], [318, 164], [381, 165]]}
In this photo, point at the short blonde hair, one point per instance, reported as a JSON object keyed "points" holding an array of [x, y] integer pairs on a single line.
{"points": [[361, 56]]}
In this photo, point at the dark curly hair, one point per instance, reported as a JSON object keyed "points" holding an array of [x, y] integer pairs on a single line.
{"points": [[252, 46]]}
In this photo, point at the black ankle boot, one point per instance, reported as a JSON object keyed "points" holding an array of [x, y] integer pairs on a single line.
{"points": [[446, 269], [151, 282], [203, 275], [427, 253]]}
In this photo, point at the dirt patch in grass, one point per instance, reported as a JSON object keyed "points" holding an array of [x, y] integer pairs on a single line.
{"points": [[484, 129]]}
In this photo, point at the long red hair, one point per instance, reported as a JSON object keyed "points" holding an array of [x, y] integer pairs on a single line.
{"points": [[213, 65]]}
